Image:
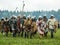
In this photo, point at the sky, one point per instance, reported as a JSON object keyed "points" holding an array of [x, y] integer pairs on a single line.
{"points": [[30, 5]]}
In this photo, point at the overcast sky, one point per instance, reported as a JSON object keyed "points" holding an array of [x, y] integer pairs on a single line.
{"points": [[30, 5]]}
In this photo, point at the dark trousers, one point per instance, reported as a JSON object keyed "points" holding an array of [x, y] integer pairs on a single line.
{"points": [[52, 31], [2, 31], [14, 33], [31, 34], [18, 31], [6, 33], [45, 34], [25, 35], [22, 32]]}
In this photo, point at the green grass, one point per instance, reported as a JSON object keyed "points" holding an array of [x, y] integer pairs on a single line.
{"points": [[35, 41]]}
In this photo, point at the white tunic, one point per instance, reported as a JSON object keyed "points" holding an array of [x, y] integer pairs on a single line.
{"points": [[40, 27], [51, 23]]}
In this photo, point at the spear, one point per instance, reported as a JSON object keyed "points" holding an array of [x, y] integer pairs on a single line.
{"points": [[23, 8]]}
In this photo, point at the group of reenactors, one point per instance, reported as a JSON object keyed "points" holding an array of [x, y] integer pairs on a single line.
{"points": [[28, 26]]}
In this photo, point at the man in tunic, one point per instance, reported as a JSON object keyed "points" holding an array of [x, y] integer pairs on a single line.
{"points": [[18, 25], [13, 25], [40, 26], [52, 25], [45, 25], [6, 26]]}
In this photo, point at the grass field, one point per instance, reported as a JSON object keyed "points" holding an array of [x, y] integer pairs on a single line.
{"points": [[35, 41]]}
